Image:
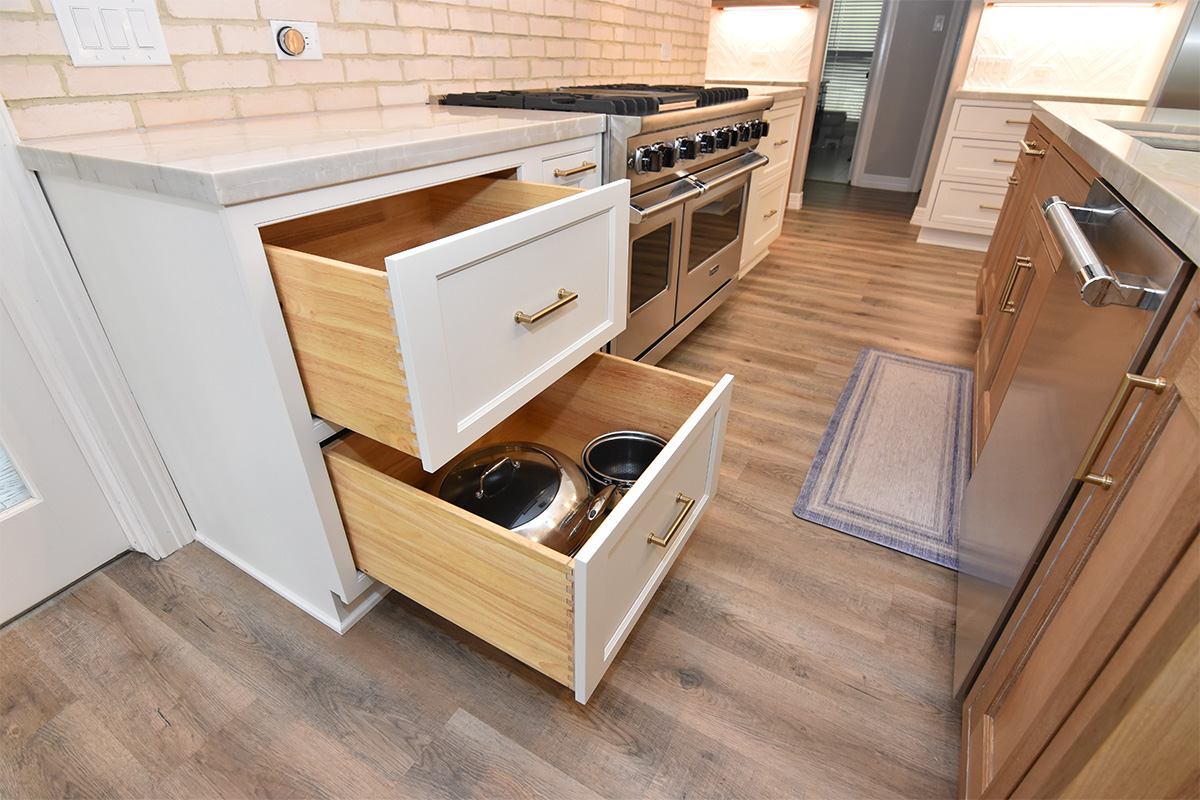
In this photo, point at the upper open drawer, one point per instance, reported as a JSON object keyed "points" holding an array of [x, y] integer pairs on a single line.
{"points": [[424, 319]]}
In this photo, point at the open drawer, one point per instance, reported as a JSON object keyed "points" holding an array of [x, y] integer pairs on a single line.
{"points": [[566, 617], [405, 312]]}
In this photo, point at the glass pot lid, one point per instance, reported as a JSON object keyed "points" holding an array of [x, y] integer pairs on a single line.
{"points": [[509, 484]]}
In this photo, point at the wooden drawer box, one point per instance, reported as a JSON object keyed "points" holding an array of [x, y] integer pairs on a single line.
{"points": [[566, 617], [401, 310]]}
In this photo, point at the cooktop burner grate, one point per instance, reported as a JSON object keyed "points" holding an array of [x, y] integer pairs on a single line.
{"points": [[626, 99]]}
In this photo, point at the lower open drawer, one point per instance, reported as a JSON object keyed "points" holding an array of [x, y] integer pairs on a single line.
{"points": [[565, 616]]}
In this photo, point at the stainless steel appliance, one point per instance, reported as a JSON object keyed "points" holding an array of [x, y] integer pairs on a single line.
{"points": [[1103, 314], [688, 152]]}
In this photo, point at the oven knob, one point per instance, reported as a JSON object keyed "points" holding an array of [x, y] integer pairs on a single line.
{"points": [[722, 136], [667, 152], [647, 159], [743, 131], [766, 127], [707, 142], [756, 129], [686, 148]]}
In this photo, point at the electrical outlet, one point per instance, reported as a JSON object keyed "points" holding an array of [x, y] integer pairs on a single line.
{"points": [[665, 53], [296, 41], [102, 33], [939, 23]]}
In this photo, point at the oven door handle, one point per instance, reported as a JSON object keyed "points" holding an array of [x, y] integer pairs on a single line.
{"points": [[638, 214], [748, 163]]}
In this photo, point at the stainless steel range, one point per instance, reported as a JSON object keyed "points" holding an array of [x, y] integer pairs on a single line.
{"points": [[688, 152]]}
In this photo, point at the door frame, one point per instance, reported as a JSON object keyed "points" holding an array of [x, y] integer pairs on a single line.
{"points": [[879, 64], [54, 316]]}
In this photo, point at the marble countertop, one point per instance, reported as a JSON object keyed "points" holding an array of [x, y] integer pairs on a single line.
{"points": [[1163, 184], [238, 161]]}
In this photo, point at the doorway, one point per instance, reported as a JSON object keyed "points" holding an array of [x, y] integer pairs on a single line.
{"points": [[845, 74]]}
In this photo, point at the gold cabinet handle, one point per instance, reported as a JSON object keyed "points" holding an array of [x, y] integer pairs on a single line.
{"points": [[1030, 149], [566, 173], [1013, 180], [1128, 384], [771, 213], [782, 142], [1017, 121], [991, 208], [1005, 160], [1006, 303], [564, 297], [677, 524]]}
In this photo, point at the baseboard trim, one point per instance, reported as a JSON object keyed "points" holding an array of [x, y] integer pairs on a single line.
{"points": [[888, 184], [963, 241], [343, 616], [795, 201], [920, 216]]}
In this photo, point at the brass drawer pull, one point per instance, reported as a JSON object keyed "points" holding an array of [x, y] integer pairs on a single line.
{"points": [[1006, 303], [782, 142], [771, 213], [1128, 384], [1016, 121], [566, 173], [564, 297], [677, 524], [1013, 180], [1030, 149], [991, 208], [1005, 160]]}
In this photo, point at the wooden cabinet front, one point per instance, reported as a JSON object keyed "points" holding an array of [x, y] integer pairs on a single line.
{"points": [[1092, 686]]}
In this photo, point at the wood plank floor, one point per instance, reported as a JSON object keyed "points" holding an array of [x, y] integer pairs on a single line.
{"points": [[779, 660]]}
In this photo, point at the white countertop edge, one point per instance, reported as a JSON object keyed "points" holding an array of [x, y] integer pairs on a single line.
{"points": [[1030, 97], [279, 172], [1163, 186]]}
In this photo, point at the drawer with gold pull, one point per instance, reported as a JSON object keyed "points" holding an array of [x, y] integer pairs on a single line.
{"points": [[566, 616], [424, 319]]}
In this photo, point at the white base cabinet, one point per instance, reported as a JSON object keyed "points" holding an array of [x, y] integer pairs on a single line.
{"points": [[769, 185], [398, 320], [972, 171]]}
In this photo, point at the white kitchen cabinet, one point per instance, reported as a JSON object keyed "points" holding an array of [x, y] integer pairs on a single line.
{"points": [[765, 209], [400, 309], [970, 181]]}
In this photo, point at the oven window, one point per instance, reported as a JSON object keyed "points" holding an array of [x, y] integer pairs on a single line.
{"points": [[649, 265], [714, 225]]}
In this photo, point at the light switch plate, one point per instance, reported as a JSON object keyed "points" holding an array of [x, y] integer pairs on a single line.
{"points": [[111, 32], [312, 43]]}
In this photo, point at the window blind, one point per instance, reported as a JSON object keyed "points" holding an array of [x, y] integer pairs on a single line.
{"points": [[852, 30]]}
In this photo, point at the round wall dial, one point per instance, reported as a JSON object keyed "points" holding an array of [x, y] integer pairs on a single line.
{"points": [[291, 41]]}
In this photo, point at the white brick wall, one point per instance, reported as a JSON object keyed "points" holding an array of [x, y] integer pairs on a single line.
{"points": [[377, 52]]}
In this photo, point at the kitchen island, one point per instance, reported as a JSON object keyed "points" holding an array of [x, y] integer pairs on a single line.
{"points": [[1092, 604]]}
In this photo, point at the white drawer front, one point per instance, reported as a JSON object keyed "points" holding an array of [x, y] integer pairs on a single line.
{"points": [[764, 214], [581, 169], [618, 570], [469, 363], [780, 144], [1007, 122], [980, 159], [974, 208]]}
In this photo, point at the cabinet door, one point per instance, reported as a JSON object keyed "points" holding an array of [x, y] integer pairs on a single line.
{"points": [[1009, 225], [1094, 605], [1013, 314]]}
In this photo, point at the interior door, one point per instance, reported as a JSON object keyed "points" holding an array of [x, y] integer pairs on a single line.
{"points": [[55, 523]]}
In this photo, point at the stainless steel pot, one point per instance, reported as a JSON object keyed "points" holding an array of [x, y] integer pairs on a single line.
{"points": [[530, 489], [619, 458]]}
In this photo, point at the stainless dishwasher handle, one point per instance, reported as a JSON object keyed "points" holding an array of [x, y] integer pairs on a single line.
{"points": [[1098, 285]]}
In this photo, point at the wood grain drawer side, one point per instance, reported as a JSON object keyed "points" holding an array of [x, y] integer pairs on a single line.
{"points": [[564, 616], [401, 310]]}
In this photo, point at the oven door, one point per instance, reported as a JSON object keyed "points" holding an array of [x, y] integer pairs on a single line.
{"points": [[655, 240], [712, 231]]}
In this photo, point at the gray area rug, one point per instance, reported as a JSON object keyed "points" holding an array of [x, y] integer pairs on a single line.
{"points": [[895, 459]]}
